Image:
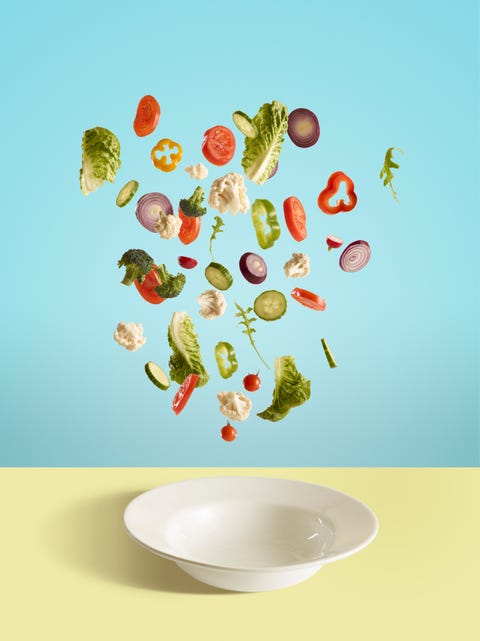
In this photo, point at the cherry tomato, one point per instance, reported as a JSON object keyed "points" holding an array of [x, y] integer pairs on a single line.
{"points": [[228, 432], [218, 145], [295, 218], [184, 392], [309, 299], [147, 288], [190, 228], [147, 116], [251, 382], [186, 262]]}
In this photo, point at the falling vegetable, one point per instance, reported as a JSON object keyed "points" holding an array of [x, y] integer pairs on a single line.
{"points": [[328, 354], [226, 359], [386, 173], [355, 256], [264, 217], [100, 158], [333, 242], [126, 193], [149, 207], [303, 127], [253, 268], [333, 185], [137, 264], [291, 389], [217, 228], [147, 116], [249, 330], [193, 206], [174, 150]]}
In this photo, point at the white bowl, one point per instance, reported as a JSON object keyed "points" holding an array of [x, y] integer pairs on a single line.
{"points": [[249, 534]]}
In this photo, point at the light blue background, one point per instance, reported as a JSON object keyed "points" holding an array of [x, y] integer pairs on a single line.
{"points": [[404, 330]]}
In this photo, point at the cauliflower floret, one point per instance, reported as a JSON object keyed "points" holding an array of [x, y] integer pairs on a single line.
{"points": [[168, 225], [199, 171], [212, 303], [130, 336], [234, 405], [229, 193], [298, 266]]}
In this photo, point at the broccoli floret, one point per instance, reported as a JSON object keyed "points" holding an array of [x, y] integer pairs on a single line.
{"points": [[192, 206], [137, 263], [171, 285]]}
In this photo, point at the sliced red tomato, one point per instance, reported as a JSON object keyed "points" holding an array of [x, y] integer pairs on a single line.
{"points": [[295, 218], [184, 392], [218, 145], [147, 116], [309, 299], [147, 288], [190, 228]]}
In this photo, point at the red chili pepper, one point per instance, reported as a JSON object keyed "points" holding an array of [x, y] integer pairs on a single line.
{"points": [[331, 189]]}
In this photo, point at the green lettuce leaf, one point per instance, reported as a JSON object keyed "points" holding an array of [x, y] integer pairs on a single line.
{"points": [[186, 358], [291, 389], [262, 152], [100, 158]]}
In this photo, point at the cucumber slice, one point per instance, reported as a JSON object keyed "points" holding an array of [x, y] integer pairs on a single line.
{"points": [[126, 193], [244, 124], [157, 375], [218, 276], [270, 305]]}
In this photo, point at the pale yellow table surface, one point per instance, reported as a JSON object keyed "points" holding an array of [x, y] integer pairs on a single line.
{"points": [[69, 571]]}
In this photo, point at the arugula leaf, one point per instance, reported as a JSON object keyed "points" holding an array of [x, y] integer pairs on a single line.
{"points": [[386, 174], [249, 330], [217, 228]]}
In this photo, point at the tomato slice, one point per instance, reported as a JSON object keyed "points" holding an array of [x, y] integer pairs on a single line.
{"points": [[147, 288], [295, 218], [190, 228], [184, 392], [309, 299], [218, 145], [147, 116]]}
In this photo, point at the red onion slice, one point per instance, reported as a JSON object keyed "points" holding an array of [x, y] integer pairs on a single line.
{"points": [[355, 256], [303, 127], [148, 209], [253, 268]]}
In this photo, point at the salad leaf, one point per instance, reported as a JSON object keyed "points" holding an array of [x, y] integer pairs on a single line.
{"points": [[186, 358], [249, 330], [261, 153], [386, 173], [100, 158], [217, 229], [291, 389]]}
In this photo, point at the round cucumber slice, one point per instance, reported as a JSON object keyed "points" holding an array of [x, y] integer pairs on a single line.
{"points": [[126, 193], [218, 276], [157, 375], [270, 305], [244, 124]]}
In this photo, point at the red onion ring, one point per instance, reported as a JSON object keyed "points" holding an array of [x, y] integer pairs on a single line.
{"points": [[303, 127], [355, 256], [148, 207]]}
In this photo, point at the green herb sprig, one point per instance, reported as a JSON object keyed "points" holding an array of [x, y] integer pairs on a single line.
{"points": [[249, 330], [386, 173], [217, 228]]}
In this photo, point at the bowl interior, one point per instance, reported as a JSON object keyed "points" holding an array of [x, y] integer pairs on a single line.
{"points": [[246, 533], [249, 522]]}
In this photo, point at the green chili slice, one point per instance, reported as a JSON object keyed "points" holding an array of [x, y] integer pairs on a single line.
{"points": [[226, 359], [265, 222]]}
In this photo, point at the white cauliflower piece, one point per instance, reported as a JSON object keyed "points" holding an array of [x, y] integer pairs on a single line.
{"points": [[212, 303], [234, 405], [130, 336], [298, 266], [168, 226], [229, 193], [199, 171]]}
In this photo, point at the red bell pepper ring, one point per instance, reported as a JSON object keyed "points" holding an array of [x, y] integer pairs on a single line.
{"points": [[331, 189]]}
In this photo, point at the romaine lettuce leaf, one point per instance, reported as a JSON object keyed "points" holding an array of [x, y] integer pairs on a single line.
{"points": [[262, 152], [291, 389], [100, 158], [186, 358]]}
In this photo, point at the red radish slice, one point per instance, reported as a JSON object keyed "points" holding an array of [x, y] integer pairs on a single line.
{"points": [[186, 262], [253, 268], [274, 171], [334, 242], [303, 127], [148, 209], [355, 256]]}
